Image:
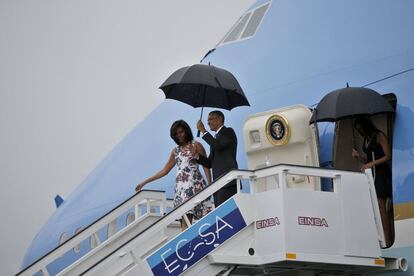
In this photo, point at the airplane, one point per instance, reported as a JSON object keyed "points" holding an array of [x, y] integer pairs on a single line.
{"points": [[283, 53]]}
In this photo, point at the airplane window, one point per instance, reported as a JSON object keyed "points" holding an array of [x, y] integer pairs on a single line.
{"points": [[78, 246], [130, 218], [64, 237], [235, 33], [254, 21], [246, 26]]}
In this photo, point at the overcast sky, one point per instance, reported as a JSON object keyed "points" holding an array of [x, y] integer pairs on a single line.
{"points": [[75, 77]]}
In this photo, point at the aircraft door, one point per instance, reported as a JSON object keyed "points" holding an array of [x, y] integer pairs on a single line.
{"points": [[282, 136], [346, 138]]}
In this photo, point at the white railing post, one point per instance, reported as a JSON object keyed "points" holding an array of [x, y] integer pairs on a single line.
{"points": [[283, 179], [375, 208], [44, 272], [96, 239], [137, 212], [162, 206], [336, 180], [148, 206], [253, 184]]}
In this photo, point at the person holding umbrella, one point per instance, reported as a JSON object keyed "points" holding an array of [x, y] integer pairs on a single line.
{"points": [[222, 158], [202, 85], [359, 103], [189, 180]]}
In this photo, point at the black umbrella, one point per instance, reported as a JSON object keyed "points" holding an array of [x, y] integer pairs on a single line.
{"points": [[203, 85], [349, 102]]}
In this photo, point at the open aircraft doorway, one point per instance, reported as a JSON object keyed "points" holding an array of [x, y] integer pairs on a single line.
{"points": [[346, 138]]}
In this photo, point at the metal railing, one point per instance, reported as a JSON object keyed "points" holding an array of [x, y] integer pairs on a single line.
{"points": [[89, 262], [280, 171], [146, 198], [158, 226]]}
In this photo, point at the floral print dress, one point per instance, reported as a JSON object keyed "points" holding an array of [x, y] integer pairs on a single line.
{"points": [[189, 181]]}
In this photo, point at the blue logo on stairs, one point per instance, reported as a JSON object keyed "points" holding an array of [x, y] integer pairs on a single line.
{"points": [[198, 241]]}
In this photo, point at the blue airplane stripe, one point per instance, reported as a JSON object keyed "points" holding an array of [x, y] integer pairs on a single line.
{"points": [[192, 232], [197, 249]]}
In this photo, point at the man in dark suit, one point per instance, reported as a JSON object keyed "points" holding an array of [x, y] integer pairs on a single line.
{"points": [[222, 157]]}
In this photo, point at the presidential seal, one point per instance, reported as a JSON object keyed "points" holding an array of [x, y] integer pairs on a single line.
{"points": [[277, 130]]}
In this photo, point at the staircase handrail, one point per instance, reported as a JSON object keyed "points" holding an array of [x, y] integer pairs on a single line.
{"points": [[40, 264]]}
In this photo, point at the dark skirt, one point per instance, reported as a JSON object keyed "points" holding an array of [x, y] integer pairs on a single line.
{"points": [[383, 181]]}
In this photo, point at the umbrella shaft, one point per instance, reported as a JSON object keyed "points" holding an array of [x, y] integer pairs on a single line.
{"points": [[201, 116]]}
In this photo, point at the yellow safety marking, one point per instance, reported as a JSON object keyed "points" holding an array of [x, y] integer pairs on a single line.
{"points": [[291, 256], [379, 261], [404, 210]]}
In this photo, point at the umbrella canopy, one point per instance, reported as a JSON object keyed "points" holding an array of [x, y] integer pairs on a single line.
{"points": [[203, 85], [348, 102]]}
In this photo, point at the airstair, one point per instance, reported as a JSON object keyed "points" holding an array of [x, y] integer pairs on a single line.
{"points": [[286, 225], [282, 229]]}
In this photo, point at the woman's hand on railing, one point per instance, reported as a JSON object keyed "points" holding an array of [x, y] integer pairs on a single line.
{"points": [[139, 187], [367, 166]]}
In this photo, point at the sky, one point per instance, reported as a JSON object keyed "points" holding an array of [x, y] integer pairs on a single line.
{"points": [[75, 78]]}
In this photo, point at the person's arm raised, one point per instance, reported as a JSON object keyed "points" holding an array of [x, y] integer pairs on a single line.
{"points": [[167, 168], [224, 140]]}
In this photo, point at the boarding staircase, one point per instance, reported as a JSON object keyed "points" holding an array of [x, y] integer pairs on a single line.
{"points": [[279, 229]]}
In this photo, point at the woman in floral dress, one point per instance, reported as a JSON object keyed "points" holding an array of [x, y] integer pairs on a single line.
{"points": [[189, 180]]}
